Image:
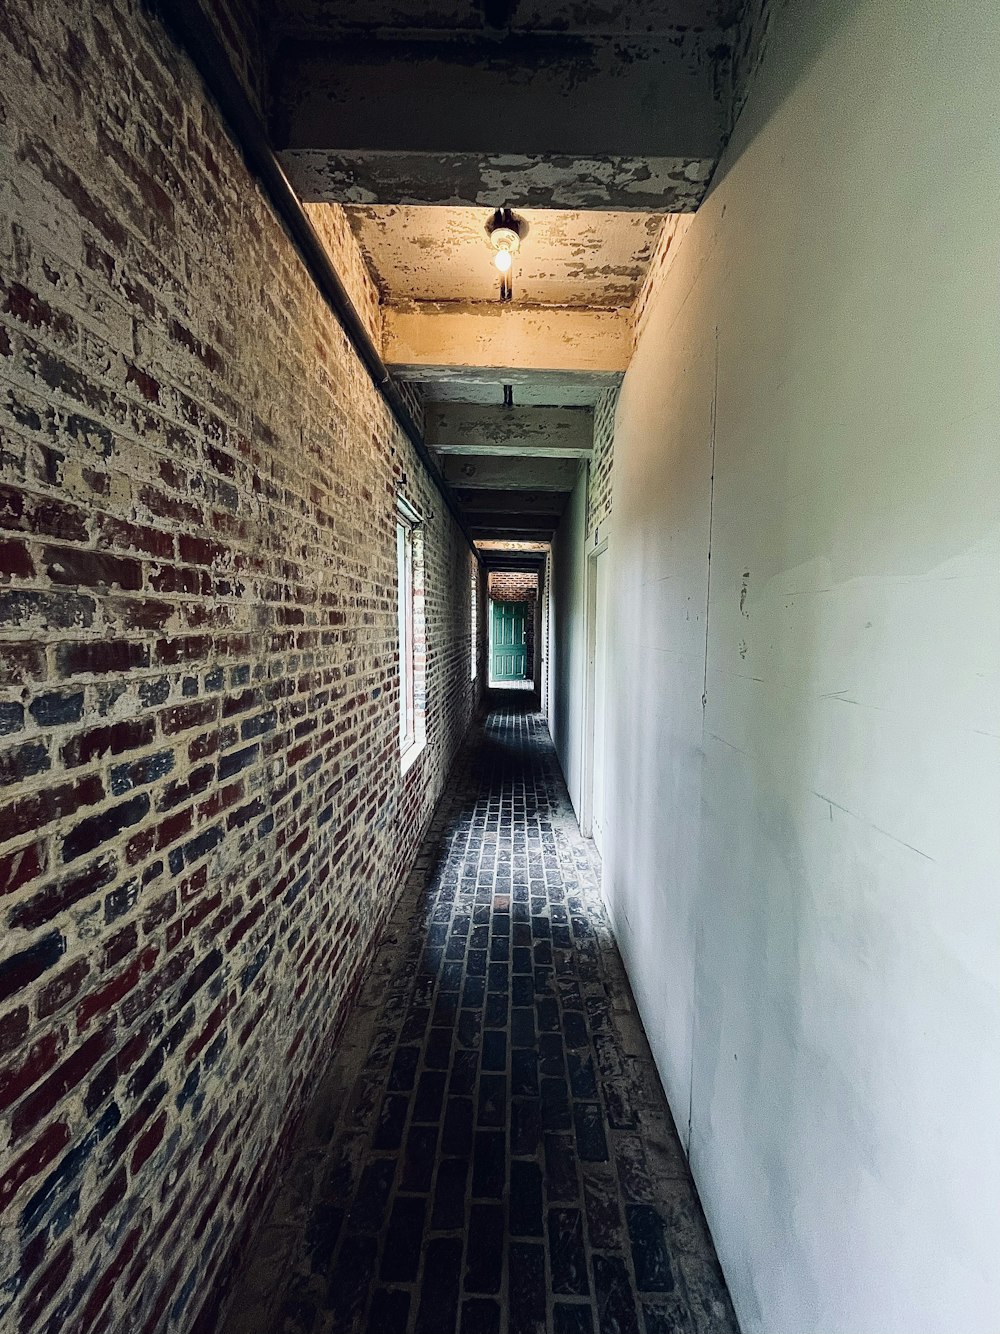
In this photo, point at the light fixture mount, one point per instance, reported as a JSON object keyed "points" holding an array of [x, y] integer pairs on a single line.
{"points": [[506, 231]]}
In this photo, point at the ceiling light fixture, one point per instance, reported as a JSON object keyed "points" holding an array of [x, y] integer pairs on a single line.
{"points": [[506, 233]]}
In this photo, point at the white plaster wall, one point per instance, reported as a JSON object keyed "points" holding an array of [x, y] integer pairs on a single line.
{"points": [[567, 644], [804, 871]]}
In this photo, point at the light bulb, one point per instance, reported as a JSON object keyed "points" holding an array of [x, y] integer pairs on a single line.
{"points": [[503, 261]]}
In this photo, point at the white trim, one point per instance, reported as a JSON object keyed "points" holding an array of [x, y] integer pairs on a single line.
{"points": [[595, 545], [412, 722], [405, 633], [407, 512], [409, 756]]}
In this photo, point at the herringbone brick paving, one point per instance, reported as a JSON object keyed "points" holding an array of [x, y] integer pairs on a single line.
{"points": [[491, 1152]]}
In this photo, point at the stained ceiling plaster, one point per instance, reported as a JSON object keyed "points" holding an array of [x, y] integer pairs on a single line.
{"points": [[499, 544], [543, 394], [597, 259], [566, 259]]}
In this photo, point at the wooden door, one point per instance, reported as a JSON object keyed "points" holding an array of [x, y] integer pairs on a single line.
{"points": [[509, 634]]}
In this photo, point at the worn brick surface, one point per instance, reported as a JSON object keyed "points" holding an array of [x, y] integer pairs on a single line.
{"points": [[203, 824], [491, 1150], [513, 586], [601, 461]]}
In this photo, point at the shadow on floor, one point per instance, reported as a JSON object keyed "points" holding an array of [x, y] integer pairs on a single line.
{"points": [[491, 1151]]}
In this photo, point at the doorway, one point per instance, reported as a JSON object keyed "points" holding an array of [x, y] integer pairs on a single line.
{"points": [[594, 820], [509, 641]]}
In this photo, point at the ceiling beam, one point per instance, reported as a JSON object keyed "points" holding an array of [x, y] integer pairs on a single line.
{"points": [[427, 340], [543, 433], [498, 561], [540, 527], [557, 121], [477, 502], [509, 471]]}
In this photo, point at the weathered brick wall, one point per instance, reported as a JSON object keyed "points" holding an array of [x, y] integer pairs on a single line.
{"points": [[330, 222], [599, 478], [202, 819], [243, 30], [513, 586]]}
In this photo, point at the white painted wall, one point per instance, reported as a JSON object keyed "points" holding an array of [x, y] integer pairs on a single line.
{"points": [[567, 645], [805, 873]]}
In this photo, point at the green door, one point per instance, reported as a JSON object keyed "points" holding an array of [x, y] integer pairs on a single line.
{"points": [[509, 635]]}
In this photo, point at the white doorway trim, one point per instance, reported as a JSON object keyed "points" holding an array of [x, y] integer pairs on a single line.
{"points": [[597, 545]]}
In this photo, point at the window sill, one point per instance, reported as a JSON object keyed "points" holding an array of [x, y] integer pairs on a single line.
{"points": [[411, 754]]}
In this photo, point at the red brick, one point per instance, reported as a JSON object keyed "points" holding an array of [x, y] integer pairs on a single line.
{"points": [[45, 1287], [62, 989], [35, 1159], [121, 535], [99, 1002], [61, 894], [97, 659], [67, 1076], [19, 868], [39, 809], [120, 945], [42, 516], [106, 1283], [147, 1143], [112, 1196], [31, 1066], [30, 309], [15, 559], [131, 734], [14, 1026], [70, 565], [146, 385]]}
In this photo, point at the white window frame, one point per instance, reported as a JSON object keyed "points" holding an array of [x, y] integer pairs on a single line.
{"points": [[411, 722]]}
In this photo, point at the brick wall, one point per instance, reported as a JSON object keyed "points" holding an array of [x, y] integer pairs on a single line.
{"points": [[599, 477], [513, 586], [202, 819], [330, 222]]}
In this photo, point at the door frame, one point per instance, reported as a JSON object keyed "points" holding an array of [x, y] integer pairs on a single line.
{"points": [[528, 610], [597, 545]]}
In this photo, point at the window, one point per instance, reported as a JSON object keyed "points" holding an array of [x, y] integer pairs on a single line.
{"points": [[404, 575], [475, 619], [409, 584]]}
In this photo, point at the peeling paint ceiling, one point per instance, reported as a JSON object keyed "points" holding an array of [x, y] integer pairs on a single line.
{"points": [[509, 544], [537, 393], [613, 114], [459, 16], [566, 258]]}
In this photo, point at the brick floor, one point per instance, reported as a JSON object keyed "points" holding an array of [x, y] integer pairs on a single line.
{"points": [[491, 1152]]}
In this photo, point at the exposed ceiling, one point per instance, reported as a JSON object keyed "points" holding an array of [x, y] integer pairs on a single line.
{"points": [[567, 258], [537, 394], [513, 554], [569, 104], [536, 16], [487, 544], [595, 120], [512, 466]]}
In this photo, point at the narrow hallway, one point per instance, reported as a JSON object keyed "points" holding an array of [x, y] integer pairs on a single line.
{"points": [[491, 1149]]}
